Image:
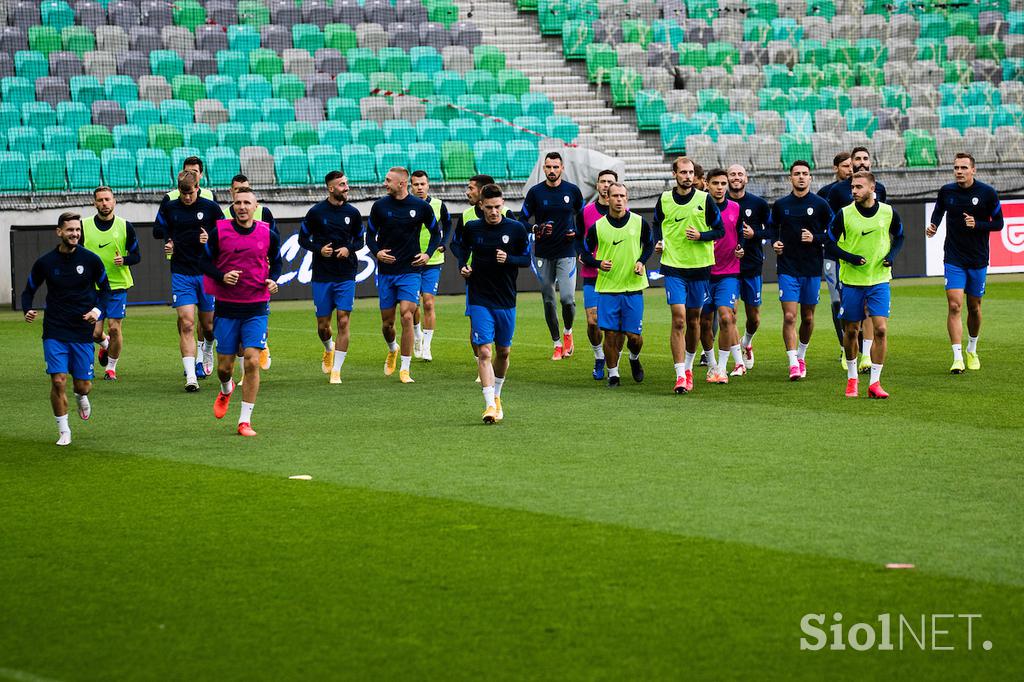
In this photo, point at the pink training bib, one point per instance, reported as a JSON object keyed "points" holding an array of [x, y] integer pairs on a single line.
{"points": [[245, 252], [726, 262], [590, 217]]}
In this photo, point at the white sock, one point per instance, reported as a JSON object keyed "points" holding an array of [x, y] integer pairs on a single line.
{"points": [[428, 336], [190, 369], [226, 387], [489, 396], [972, 344], [958, 352], [634, 356], [406, 361], [723, 359], [246, 415], [598, 352], [328, 344], [791, 354], [339, 360], [62, 424], [105, 343], [498, 383], [737, 354], [567, 332], [688, 362], [709, 357], [112, 363], [613, 371], [680, 369], [865, 347], [801, 350], [418, 330], [851, 369], [876, 373], [748, 340], [83, 402], [558, 343], [392, 346]]}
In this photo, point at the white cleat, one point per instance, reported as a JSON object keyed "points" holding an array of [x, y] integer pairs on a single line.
{"points": [[65, 438], [427, 355], [417, 347], [748, 357], [191, 386], [84, 409]]}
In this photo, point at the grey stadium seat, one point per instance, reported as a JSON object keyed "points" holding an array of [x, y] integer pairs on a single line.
{"points": [[12, 39], [889, 149], [107, 113], [922, 117], [411, 11], [466, 33], [212, 38], [285, 13], [154, 89], [225, 12], [317, 12], [276, 38], [299, 62], [829, 121], [6, 65], [211, 112], [257, 164], [200, 63], [379, 12], [102, 63], [404, 35], [374, 37], [66, 64], [457, 58], [111, 39], [133, 63], [321, 86], [52, 89], [330, 61], [349, 12], [124, 14], [309, 109], [145, 39], [88, 13], [765, 152], [156, 14], [769, 123], [410, 109]]}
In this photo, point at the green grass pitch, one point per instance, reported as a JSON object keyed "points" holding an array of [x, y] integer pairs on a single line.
{"points": [[595, 534]]}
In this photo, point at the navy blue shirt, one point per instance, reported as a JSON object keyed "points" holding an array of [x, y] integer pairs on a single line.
{"points": [[339, 226], [562, 206], [208, 264], [789, 217], [965, 247], [838, 229], [131, 255], [493, 284], [182, 224], [716, 230], [840, 194], [395, 224], [754, 211], [825, 189], [71, 281]]}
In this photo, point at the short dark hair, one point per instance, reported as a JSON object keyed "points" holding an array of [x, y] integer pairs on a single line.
{"points": [[859, 149], [490, 191], [193, 161], [865, 175], [799, 162], [698, 171], [101, 188], [239, 178], [481, 180], [67, 217], [420, 174], [552, 155], [246, 190], [332, 176], [964, 155], [608, 171], [715, 172], [840, 157]]}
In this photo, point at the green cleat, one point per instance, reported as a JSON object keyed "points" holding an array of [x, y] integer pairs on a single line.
{"points": [[865, 364], [957, 368], [973, 361]]}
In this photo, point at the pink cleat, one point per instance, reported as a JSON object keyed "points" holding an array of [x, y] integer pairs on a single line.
{"points": [[875, 390], [851, 388], [794, 373], [803, 369]]}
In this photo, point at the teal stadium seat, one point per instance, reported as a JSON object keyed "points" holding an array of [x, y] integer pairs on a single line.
{"points": [[491, 159], [358, 163], [154, 168], [322, 159], [222, 164], [425, 156], [83, 169], [14, 172], [49, 171], [119, 168], [291, 165]]}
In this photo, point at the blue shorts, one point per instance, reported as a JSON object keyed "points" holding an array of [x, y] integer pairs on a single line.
{"points": [[331, 296], [804, 290], [430, 280], [117, 305], [621, 312], [232, 333], [750, 290], [692, 293], [188, 290], [724, 293], [492, 325], [970, 280], [394, 288], [876, 297], [590, 296], [63, 357]]}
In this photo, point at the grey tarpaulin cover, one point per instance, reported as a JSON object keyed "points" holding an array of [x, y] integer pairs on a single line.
{"points": [[581, 168]]}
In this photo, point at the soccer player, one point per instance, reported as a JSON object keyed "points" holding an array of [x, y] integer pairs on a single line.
{"points": [[263, 214], [113, 240], [194, 165], [724, 285], [242, 261], [555, 206], [430, 275], [593, 212], [393, 235], [491, 251], [972, 211], [842, 165], [799, 222], [180, 222], [621, 242], [332, 232], [686, 223], [76, 292], [867, 234], [754, 213]]}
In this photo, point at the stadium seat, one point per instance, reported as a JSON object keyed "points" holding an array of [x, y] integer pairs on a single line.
{"points": [[367, 133], [232, 63], [491, 159], [563, 128], [322, 159], [424, 156], [278, 111], [340, 37], [24, 140], [457, 162], [425, 59], [601, 59], [353, 85], [31, 64], [222, 164], [291, 165], [920, 148], [56, 138], [300, 134], [14, 172], [49, 171], [358, 163], [164, 136]]}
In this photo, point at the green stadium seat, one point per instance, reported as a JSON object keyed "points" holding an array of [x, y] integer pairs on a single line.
{"points": [[359, 164], [387, 156], [693, 54], [1013, 69], [488, 58], [95, 138], [83, 169], [563, 128], [834, 98], [24, 139], [931, 49], [17, 90], [551, 14], [353, 86], [990, 47], [86, 90], [839, 75], [443, 13], [200, 136], [395, 60], [958, 71], [871, 51], [14, 175], [808, 76], [432, 131], [400, 132], [513, 82], [322, 159], [232, 63], [472, 103], [38, 115], [120, 89], [222, 164], [537, 104], [223, 88], [362, 60], [154, 168], [424, 156], [176, 112], [821, 8], [254, 87], [417, 84], [449, 84], [712, 99], [773, 99], [291, 164], [841, 51], [31, 64], [189, 13], [625, 82], [340, 37], [307, 37], [798, 122], [796, 146], [279, 111], [481, 83], [812, 52], [522, 156], [130, 137], [457, 162], [465, 130], [343, 110], [675, 128], [385, 80], [188, 88], [265, 62], [861, 120], [920, 148], [933, 25], [633, 31], [300, 134], [333, 134], [706, 123], [440, 108], [367, 133], [234, 135], [526, 5], [140, 113], [896, 96], [601, 59], [702, 9], [56, 14], [253, 13], [576, 35], [805, 99], [779, 76], [868, 74], [267, 135], [58, 138], [491, 159], [49, 171], [166, 63], [166, 137], [119, 169], [78, 39], [45, 39], [963, 24], [426, 59]]}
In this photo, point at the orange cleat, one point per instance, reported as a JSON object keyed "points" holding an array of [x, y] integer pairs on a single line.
{"points": [[244, 429]]}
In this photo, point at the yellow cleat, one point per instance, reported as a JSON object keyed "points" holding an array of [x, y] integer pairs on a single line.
{"points": [[265, 358], [865, 364], [490, 415], [957, 368], [497, 407], [335, 377], [390, 362], [973, 361], [327, 362], [405, 378]]}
